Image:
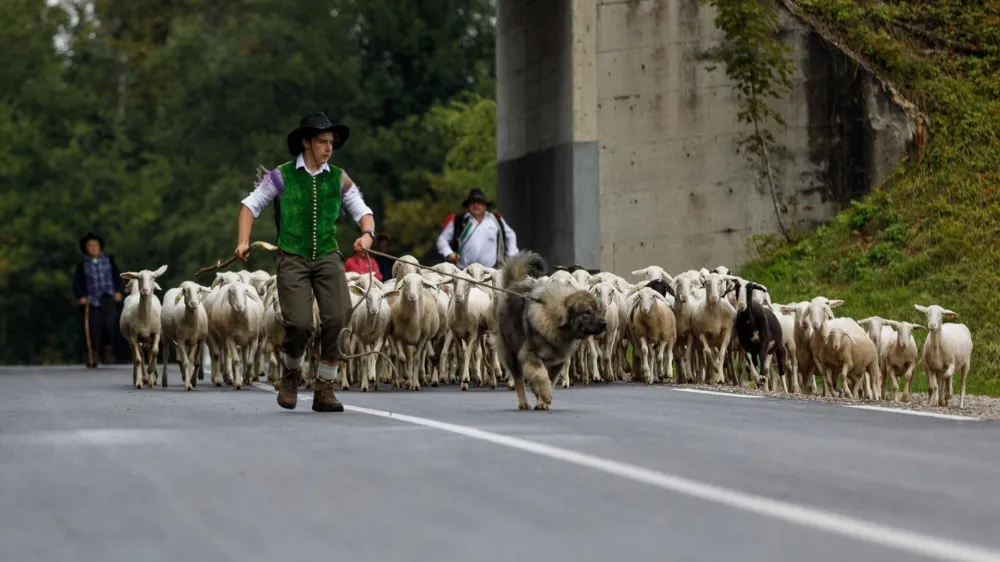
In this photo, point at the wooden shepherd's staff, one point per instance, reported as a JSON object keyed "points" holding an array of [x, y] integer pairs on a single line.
{"points": [[86, 331]]}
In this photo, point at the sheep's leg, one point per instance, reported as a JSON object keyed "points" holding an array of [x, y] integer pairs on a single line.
{"points": [[793, 364], [236, 364], [414, 371], [944, 398], [154, 352], [477, 362], [932, 386], [443, 359], [181, 350], [137, 379], [965, 373], [401, 366]]}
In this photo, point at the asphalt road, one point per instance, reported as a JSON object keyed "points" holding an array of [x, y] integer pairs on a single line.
{"points": [[95, 470]]}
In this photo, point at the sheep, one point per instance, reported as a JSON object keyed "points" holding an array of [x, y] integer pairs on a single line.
{"points": [[654, 272], [830, 362], [405, 265], [901, 357], [414, 319], [882, 333], [787, 321], [612, 300], [368, 324], [948, 348], [184, 324], [468, 314], [803, 350], [651, 324], [759, 333], [712, 323], [235, 324], [140, 324], [856, 356], [689, 293]]}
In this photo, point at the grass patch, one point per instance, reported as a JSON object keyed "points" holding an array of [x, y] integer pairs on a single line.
{"points": [[930, 233]]}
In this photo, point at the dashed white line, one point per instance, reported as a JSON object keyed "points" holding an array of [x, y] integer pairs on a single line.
{"points": [[714, 393], [912, 412], [850, 527]]}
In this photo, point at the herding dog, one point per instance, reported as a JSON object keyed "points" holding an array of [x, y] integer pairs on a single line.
{"points": [[540, 331]]}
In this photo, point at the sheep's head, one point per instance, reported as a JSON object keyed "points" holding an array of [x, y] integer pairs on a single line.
{"points": [[237, 295], [647, 297], [225, 278], [604, 292], [874, 325], [835, 339], [821, 310], [146, 279], [904, 331], [373, 296], [713, 283], [404, 266], [411, 285], [245, 276], [192, 294], [653, 272], [662, 286], [936, 315]]}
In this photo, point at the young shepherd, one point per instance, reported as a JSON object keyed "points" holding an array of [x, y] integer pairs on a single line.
{"points": [[539, 332]]}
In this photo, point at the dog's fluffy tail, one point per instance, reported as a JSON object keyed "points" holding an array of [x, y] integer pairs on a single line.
{"points": [[522, 265]]}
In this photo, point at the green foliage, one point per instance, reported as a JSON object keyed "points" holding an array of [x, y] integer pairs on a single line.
{"points": [[928, 235], [148, 122], [759, 65], [467, 126]]}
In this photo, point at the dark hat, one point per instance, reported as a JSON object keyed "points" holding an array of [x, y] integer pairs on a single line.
{"points": [[316, 123], [90, 236], [476, 195]]}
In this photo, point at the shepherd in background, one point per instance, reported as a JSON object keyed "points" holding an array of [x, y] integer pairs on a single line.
{"points": [[98, 288], [477, 235]]}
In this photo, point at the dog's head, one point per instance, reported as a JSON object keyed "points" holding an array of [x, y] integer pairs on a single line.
{"points": [[584, 315]]}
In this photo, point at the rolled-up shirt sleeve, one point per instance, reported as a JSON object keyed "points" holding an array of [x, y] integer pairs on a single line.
{"points": [[352, 200], [261, 196], [444, 239], [511, 239]]}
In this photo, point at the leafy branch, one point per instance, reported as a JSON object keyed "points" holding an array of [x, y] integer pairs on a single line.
{"points": [[757, 61]]}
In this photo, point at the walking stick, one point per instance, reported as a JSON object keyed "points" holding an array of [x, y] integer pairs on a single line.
{"points": [[86, 332]]}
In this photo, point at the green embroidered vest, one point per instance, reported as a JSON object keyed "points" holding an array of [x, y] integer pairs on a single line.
{"points": [[306, 211]]}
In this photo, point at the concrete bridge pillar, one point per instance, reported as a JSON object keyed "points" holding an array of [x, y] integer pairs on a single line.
{"points": [[547, 127]]}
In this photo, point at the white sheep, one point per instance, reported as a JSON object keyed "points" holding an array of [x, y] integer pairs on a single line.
{"points": [[653, 331], [901, 356], [468, 317], [235, 324], [185, 326], [856, 356], [712, 323], [948, 348], [368, 324], [140, 324], [414, 319]]}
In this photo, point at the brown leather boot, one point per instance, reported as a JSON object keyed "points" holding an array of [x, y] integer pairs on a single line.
{"points": [[288, 387], [323, 398]]}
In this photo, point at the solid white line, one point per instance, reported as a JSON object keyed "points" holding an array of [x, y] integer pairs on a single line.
{"points": [[890, 537], [912, 412], [714, 393]]}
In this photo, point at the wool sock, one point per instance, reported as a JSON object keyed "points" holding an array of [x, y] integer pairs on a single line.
{"points": [[328, 372], [293, 363]]}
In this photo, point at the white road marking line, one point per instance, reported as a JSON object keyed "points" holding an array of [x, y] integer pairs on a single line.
{"points": [[890, 537], [912, 412], [714, 393]]}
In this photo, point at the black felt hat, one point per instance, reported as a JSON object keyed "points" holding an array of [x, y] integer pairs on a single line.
{"points": [[476, 195], [317, 123]]}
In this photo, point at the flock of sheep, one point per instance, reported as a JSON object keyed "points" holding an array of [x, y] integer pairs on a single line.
{"points": [[431, 326]]}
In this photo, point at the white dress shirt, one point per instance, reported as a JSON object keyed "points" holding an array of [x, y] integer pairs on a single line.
{"points": [[481, 245], [350, 195]]}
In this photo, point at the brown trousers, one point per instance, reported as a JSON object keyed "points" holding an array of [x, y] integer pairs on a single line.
{"points": [[326, 278]]}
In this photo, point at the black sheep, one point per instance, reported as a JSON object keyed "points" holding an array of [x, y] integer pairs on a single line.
{"points": [[662, 287], [758, 331]]}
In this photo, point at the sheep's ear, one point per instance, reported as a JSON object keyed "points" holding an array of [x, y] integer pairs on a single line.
{"points": [[788, 309], [850, 337], [129, 275], [917, 327], [919, 308], [865, 321], [640, 271], [950, 314], [835, 303], [157, 286], [160, 270], [392, 293], [204, 290], [356, 290], [429, 284], [178, 298]]}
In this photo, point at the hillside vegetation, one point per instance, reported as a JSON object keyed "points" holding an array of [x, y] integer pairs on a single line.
{"points": [[930, 233]]}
